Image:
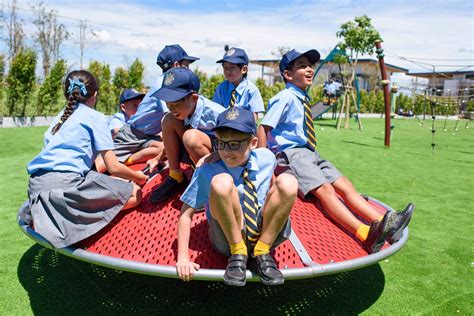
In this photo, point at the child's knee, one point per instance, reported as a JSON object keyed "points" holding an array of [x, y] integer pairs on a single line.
{"points": [[192, 138], [324, 191], [222, 184], [136, 197], [168, 121], [286, 184]]}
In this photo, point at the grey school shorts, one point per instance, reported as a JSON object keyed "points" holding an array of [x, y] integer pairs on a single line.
{"points": [[307, 166], [130, 140], [219, 241]]}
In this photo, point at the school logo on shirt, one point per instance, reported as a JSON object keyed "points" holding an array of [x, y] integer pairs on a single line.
{"points": [[230, 52], [232, 115], [169, 79]]}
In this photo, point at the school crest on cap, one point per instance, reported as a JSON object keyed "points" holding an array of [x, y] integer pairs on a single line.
{"points": [[230, 52], [232, 115], [169, 79]]}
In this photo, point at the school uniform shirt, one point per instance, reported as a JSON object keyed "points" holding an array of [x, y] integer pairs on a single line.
{"points": [[285, 114], [150, 111], [117, 121], [205, 116], [247, 95], [76, 144], [261, 165]]}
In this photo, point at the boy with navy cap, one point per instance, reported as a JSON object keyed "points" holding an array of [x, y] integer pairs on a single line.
{"points": [[188, 124], [128, 104], [237, 90], [246, 208], [288, 126], [142, 134]]}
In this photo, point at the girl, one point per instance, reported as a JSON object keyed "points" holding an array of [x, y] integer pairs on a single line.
{"points": [[68, 201]]}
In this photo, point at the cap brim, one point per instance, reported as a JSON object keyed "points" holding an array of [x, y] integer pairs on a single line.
{"points": [[235, 126], [313, 56], [190, 58], [139, 95], [235, 61], [169, 95]]}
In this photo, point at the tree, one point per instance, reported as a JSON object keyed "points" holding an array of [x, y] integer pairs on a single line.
{"points": [[2, 75], [83, 37], [120, 81], [135, 73], [20, 82], [15, 33], [49, 92], [359, 37], [106, 99], [49, 35]]}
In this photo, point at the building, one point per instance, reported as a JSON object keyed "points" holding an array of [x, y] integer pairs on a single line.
{"points": [[449, 83]]}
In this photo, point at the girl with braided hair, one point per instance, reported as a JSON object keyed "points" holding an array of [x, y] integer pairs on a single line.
{"points": [[68, 201]]}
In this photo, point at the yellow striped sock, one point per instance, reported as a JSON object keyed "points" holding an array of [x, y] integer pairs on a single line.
{"points": [[261, 248], [362, 232], [129, 161], [238, 249], [380, 218]]}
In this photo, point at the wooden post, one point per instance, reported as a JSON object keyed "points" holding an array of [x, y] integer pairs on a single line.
{"points": [[386, 92]]}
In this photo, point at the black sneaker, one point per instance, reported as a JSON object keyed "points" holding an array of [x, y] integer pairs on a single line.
{"points": [[268, 270], [377, 234], [166, 190], [236, 270], [398, 221]]}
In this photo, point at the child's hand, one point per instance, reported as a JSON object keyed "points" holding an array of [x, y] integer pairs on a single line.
{"points": [[185, 269], [209, 158], [152, 163], [141, 178]]}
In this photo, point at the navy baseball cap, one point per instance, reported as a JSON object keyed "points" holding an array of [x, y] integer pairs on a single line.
{"points": [[312, 54], [237, 118], [177, 83], [235, 56], [171, 54], [129, 94]]}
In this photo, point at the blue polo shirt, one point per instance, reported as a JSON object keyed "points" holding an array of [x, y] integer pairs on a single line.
{"points": [[261, 165], [150, 111], [247, 94], [285, 114], [75, 146], [117, 121], [205, 116]]}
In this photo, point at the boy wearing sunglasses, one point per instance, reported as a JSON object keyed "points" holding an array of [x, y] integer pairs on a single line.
{"points": [[246, 208]]}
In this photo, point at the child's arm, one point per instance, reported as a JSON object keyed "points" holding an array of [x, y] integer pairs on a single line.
{"points": [[184, 267], [120, 170], [262, 135]]}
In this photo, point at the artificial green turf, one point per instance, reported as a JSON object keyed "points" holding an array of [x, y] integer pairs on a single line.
{"points": [[432, 274]]}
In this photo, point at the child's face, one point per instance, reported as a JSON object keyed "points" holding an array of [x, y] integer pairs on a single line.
{"points": [[183, 108], [233, 73], [243, 144], [301, 74], [130, 107]]}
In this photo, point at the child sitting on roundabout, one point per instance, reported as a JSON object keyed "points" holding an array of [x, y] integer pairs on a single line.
{"points": [[247, 209]]}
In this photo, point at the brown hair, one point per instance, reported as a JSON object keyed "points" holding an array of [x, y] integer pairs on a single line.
{"points": [[79, 86]]}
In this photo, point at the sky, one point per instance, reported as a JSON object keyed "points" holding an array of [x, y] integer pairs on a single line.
{"points": [[429, 33]]}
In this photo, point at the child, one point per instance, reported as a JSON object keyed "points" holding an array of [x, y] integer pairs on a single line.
{"points": [[189, 124], [236, 90], [128, 104], [246, 213], [69, 202], [288, 125], [140, 139]]}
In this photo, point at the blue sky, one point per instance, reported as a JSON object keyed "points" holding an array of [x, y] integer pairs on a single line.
{"points": [[440, 32]]}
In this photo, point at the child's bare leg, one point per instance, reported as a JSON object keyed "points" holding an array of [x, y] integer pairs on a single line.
{"points": [[100, 164], [197, 144], [225, 207], [134, 199], [155, 150], [173, 130], [354, 200], [336, 209], [277, 208]]}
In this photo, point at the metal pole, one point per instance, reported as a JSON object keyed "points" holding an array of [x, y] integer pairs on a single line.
{"points": [[386, 92]]}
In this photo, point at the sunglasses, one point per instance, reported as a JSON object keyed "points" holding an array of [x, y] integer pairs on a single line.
{"points": [[231, 144]]}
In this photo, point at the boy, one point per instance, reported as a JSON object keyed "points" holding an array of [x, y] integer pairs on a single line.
{"points": [[128, 104], [140, 139], [288, 126], [236, 90], [244, 210], [188, 124]]}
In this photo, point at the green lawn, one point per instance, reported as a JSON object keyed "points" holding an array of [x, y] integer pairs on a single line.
{"points": [[432, 274]]}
